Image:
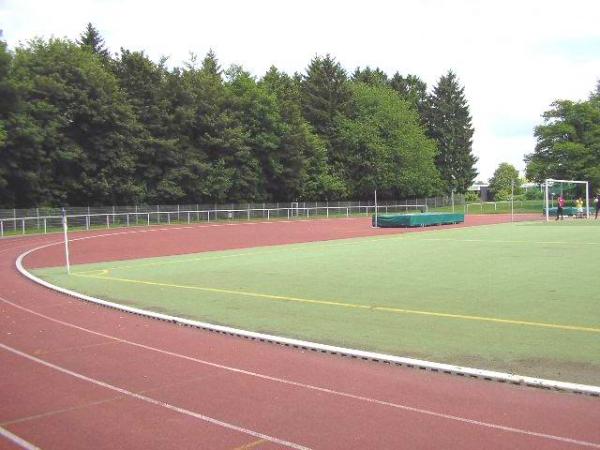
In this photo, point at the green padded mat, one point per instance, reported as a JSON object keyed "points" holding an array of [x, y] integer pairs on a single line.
{"points": [[567, 211], [417, 220]]}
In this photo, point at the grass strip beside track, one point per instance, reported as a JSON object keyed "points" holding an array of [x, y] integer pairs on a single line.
{"points": [[515, 297]]}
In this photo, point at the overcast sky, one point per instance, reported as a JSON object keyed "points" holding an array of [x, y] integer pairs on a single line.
{"points": [[514, 57]]}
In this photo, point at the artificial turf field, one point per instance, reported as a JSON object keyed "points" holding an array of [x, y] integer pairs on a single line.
{"points": [[519, 298]]}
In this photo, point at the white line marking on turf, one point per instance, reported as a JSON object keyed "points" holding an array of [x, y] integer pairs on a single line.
{"points": [[153, 401], [359, 398], [17, 440]]}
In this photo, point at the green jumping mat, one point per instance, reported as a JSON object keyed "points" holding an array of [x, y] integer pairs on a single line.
{"points": [[416, 220]]}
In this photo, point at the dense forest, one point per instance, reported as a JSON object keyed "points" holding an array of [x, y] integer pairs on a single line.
{"points": [[82, 126]]}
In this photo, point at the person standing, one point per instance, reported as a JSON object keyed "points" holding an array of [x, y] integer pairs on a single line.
{"points": [[559, 209], [579, 208], [597, 202]]}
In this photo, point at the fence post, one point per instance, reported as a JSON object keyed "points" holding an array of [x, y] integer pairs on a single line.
{"points": [[148, 219], [23, 224], [1, 228], [188, 217], [45, 229], [107, 221], [268, 215], [37, 213], [157, 213], [127, 219]]}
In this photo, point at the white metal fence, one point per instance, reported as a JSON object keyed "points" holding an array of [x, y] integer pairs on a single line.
{"points": [[45, 220]]}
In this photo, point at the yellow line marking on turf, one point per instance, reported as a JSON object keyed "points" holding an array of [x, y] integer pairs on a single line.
{"points": [[350, 305], [94, 272], [250, 445]]}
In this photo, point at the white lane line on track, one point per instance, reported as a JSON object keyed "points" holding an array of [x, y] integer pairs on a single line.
{"points": [[359, 398], [154, 401], [20, 442]]}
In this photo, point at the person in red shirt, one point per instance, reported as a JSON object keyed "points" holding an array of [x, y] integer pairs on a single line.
{"points": [[559, 210]]}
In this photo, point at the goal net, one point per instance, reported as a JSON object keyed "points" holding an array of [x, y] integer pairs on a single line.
{"points": [[575, 196]]}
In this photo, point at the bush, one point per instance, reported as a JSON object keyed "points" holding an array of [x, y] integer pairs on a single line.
{"points": [[534, 194], [472, 196]]}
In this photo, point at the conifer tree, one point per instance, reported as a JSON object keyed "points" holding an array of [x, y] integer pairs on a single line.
{"points": [[370, 76], [325, 94], [92, 40], [414, 90], [326, 97], [449, 124]]}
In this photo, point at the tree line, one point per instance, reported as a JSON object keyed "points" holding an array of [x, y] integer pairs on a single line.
{"points": [[568, 142], [79, 126]]}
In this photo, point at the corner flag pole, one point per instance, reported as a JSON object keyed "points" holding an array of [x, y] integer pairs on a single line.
{"points": [[64, 223]]}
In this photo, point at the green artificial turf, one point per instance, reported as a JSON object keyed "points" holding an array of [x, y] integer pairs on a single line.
{"points": [[434, 295]]}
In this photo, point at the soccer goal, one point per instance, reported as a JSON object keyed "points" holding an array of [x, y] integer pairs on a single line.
{"points": [[571, 191]]}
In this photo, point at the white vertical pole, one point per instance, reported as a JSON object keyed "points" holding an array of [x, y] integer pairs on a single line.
{"points": [[376, 222], [1, 228], [453, 200], [64, 223], [587, 200], [512, 201], [546, 201]]}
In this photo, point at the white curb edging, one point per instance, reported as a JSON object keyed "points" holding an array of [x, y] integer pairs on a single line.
{"points": [[323, 348]]}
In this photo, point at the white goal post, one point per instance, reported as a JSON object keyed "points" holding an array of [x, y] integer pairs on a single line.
{"points": [[552, 183]]}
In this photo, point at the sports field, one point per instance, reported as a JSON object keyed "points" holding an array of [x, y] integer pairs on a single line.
{"points": [[519, 298]]}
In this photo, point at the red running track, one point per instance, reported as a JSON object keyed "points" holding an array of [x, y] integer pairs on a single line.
{"points": [[75, 375]]}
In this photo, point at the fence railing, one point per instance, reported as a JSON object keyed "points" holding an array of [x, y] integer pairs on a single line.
{"points": [[46, 220]]}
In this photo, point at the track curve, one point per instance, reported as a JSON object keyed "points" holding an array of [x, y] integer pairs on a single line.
{"points": [[77, 375]]}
